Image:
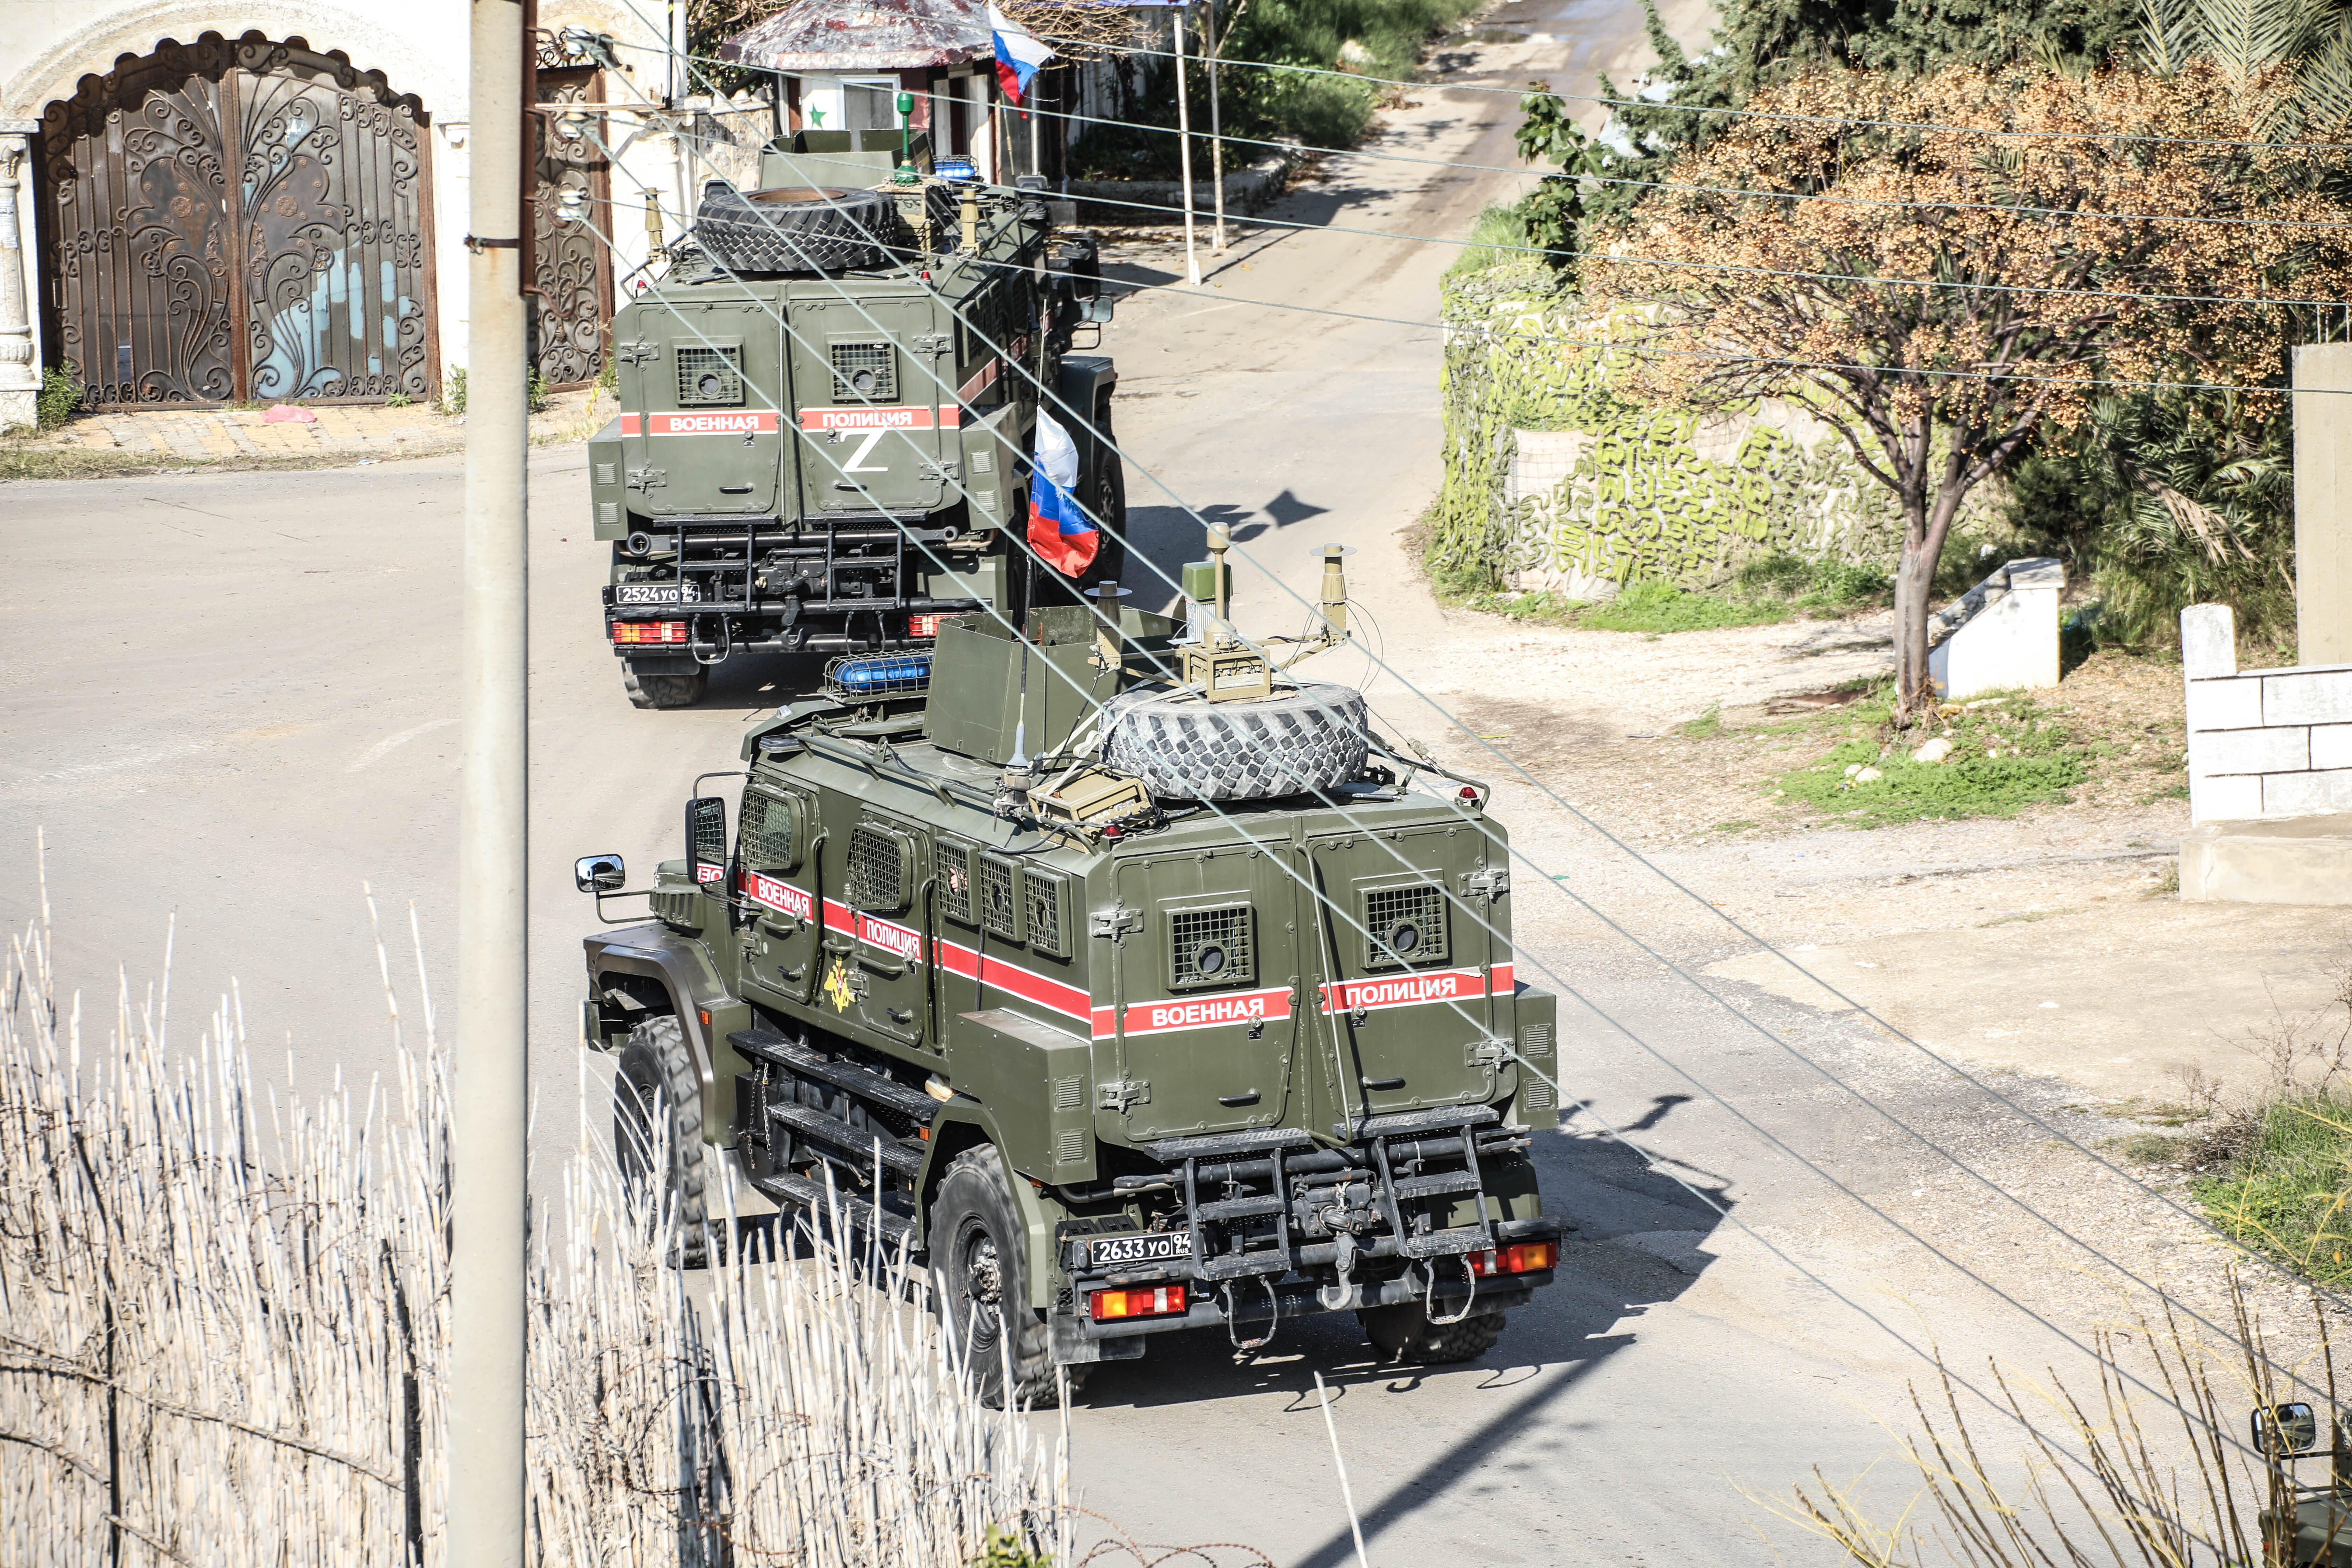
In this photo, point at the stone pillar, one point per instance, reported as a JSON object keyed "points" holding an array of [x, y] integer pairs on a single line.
{"points": [[20, 370], [2323, 503]]}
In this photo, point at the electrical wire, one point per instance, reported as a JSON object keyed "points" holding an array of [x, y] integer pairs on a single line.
{"points": [[1049, 394]]}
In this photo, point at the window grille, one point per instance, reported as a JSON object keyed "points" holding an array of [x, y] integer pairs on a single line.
{"points": [[770, 842], [877, 870], [1044, 896], [865, 373], [1404, 926], [1210, 947], [709, 377], [955, 882], [1000, 898]]}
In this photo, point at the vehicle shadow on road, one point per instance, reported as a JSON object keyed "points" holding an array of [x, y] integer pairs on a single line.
{"points": [[1633, 1243]]}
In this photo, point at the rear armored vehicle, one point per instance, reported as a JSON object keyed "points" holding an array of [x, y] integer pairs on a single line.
{"points": [[1137, 984]]}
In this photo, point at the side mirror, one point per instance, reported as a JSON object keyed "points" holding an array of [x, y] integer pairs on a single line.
{"points": [[599, 873], [2284, 1431], [1097, 310], [706, 839]]}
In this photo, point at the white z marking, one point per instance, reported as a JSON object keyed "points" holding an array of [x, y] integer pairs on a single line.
{"points": [[857, 463]]}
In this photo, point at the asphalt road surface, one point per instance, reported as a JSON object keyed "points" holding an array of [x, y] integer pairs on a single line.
{"points": [[233, 701]]}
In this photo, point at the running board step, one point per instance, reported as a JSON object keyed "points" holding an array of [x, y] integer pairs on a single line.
{"points": [[855, 1146], [766, 1044], [1242, 1208], [786, 1188], [1431, 1186]]}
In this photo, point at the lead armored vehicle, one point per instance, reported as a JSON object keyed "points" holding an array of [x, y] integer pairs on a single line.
{"points": [[1137, 986], [829, 405]]}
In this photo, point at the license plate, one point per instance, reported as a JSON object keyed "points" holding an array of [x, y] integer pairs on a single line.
{"points": [[1158, 1247], [656, 593]]}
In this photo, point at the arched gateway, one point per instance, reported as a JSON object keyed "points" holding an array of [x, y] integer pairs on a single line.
{"points": [[240, 220]]}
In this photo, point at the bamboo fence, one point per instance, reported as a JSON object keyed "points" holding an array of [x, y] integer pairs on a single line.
{"points": [[224, 1339]]}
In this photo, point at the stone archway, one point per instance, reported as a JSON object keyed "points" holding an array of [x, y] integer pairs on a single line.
{"points": [[229, 221]]}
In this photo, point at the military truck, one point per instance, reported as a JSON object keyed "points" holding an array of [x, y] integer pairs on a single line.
{"points": [[1133, 980], [828, 409]]}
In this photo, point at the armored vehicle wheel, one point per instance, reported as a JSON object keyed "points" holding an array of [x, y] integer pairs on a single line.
{"points": [[977, 1288], [794, 230], [1404, 1330], [1289, 743], [663, 690], [658, 1091]]}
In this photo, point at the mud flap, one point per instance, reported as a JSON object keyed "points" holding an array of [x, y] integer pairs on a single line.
{"points": [[1071, 1344]]}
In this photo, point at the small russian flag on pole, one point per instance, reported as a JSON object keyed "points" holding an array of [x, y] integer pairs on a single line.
{"points": [[1018, 54]]}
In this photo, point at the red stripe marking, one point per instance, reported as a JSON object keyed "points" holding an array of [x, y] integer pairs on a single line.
{"points": [[756, 421], [862, 417]]}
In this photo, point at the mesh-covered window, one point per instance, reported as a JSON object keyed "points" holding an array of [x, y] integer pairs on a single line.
{"points": [[955, 882], [771, 838], [1404, 925], [1210, 947], [1043, 895], [708, 377], [877, 870], [709, 825], [1000, 898], [865, 373]]}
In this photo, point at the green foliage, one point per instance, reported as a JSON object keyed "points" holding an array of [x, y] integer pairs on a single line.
{"points": [[2035, 760], [1496, 237], [60, 395], [1661, 607], [1377, 38], [535, 390], [2168, 499], [2286, 1193], [1006, 1549], [396, 399], [453, 395]]}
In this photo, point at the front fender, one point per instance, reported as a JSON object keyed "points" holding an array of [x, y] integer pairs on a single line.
{"points": [[962, 1124], [706, 1010]]}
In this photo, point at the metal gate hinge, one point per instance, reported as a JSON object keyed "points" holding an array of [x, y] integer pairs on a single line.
{"points": [[1125, 1092], [1492, 883], [1114, 922], [1489, 1054], [648, 479], [636, 353]]}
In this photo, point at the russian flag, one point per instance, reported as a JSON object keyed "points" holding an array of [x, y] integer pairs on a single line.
{"points": [[1018, 54], [1062, 535]]}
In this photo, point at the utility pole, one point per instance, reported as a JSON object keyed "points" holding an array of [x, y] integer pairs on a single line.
{"points": [[1184, 144], [1216, 131], [490, 1094]]}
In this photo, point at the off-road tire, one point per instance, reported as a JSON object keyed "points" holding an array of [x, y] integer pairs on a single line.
{"points": [[1184, 749], [1403, 1332], [977, 1247], [658, 1087], [794, 230], [663, 690]]}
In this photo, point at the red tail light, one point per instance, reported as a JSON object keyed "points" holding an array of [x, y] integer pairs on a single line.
{"points": [[922, 626], [1160, 1301], [649, 631], [1519, 1258]]}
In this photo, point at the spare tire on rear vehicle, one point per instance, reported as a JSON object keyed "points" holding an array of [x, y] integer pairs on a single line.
{"points": [[1292, 743], [794, 230]]}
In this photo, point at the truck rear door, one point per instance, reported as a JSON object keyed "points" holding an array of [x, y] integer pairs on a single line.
{"points": [[871, 409], [702, 387], [1208, 987], [1406, 968]]}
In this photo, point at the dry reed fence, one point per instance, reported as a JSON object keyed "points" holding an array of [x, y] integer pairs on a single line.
{"points": [[223, 1330]]}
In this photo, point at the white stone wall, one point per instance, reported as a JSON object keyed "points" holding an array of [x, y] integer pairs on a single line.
{"points": [[2261, 742]]}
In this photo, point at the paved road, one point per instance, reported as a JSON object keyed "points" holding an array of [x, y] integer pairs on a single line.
{"points": [[234, 696]]}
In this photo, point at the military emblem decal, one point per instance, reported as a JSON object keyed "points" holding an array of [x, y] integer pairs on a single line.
{"points": [[837, 985]]}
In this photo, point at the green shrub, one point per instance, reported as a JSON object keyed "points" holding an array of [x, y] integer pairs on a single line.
{"points": [[60, 395], [453, 395], [2037, 760], [1499, 225], [2287, 1192]]}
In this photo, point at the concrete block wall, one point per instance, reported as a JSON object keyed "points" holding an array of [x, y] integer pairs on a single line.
{"points": [[2263, 743]]}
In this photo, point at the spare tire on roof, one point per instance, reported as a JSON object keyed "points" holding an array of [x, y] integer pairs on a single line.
{"points": [[801, 230], [1293, 742]]}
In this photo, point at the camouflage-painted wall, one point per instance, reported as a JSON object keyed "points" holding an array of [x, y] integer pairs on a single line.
{"points": [[1554, 481]]}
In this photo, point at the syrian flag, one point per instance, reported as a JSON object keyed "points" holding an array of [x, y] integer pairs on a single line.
{"points": [[1059, 532], [1018, 54]]}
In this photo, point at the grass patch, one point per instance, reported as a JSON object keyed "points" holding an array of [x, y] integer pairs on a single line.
{"points": [[2287, 1192], [1492, 233], [2007, 754], [1766, 591], [1740, 827], [1706, 724], [2153, 1148]]}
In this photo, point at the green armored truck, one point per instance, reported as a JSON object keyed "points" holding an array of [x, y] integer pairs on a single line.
{"points": [[1139, 985], [828, 409]]}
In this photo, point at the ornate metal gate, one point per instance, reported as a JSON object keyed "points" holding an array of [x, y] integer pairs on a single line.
{"points": [[227, 221], [570, 221]]}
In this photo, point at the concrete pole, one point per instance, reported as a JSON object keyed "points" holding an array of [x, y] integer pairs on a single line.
{"points": [[490, 1095], [2323, 503], [20, 371], [1184, 146], [1216, 135]]}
